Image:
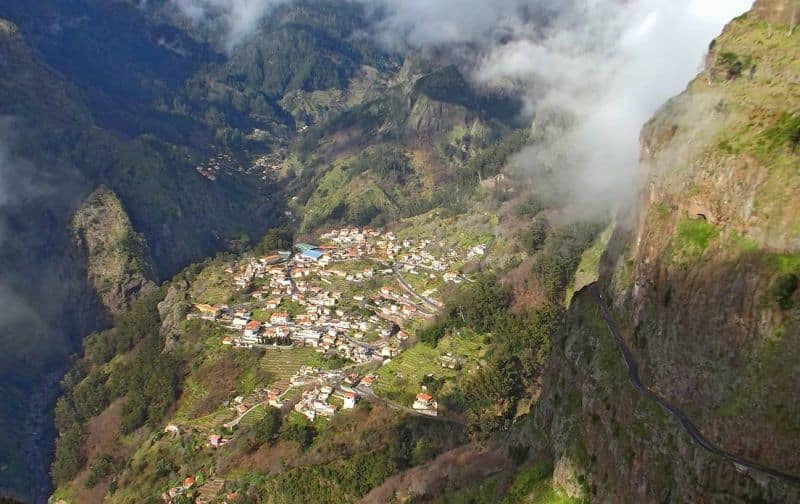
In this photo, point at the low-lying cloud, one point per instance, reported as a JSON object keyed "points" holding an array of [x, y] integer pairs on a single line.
{"points": [[604, 66], [233, 19], [607, 66], [598, 69], [20, 188]]}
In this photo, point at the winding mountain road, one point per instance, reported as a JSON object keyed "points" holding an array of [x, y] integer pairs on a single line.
{"points": [[686, 423]]}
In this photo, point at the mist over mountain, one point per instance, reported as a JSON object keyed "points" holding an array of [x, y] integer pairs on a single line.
{"points": [[593, 63], [538, 251]]}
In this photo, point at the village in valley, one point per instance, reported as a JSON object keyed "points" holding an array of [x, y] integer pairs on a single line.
{"points": [[346, 298], [330, 319]]}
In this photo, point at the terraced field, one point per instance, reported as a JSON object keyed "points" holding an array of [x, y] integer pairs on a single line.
{"points": [[422, 280], [283, 364], [213, 420], [192, 392], [211, 488], [253, 416], [399, 380]]}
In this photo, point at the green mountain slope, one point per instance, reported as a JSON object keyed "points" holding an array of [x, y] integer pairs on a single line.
{"points": [[700, 278], [107, 94]]}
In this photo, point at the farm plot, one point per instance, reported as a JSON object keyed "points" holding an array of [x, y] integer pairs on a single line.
{"points": [[253, 416], [283, 364], [400, 379], [213, 420]]}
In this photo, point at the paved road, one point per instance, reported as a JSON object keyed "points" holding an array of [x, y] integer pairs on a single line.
{"points": [[372, 396], [407, 287], [680, 416]]}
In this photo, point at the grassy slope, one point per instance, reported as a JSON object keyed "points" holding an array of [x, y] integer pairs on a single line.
{"points": [[528, 485]]}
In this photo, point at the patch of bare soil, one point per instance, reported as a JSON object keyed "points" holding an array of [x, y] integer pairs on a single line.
{"points": [[102, 432], [452, 470], [102, 438]]}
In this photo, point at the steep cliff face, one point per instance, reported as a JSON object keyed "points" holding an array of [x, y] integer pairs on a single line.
{"points": [[703, 279], [117, 258], [434, 117]]}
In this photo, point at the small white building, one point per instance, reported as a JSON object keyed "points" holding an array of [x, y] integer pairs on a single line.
{"points": [[424, 403], [252, 329], [350, 399]]}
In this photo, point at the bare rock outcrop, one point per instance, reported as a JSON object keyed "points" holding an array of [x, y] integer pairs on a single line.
{"points": [[116, 255]]}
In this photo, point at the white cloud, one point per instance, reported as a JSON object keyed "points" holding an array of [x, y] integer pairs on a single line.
{"points": [[609, 64], [235, 19]]}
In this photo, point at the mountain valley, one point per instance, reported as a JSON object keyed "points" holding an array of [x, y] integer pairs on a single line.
{"points": [[305, 264]]}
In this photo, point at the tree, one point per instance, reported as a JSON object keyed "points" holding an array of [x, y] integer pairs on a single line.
{"points": [[267, 428], [784, 288], [301, 434], [99, 469], [89, 396], [69, 458], [275, 239], [533, 237], [433, 334], [794, 137]]}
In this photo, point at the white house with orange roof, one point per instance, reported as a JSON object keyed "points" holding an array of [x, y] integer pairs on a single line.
{"points": [[252, 329], [424, 403]]}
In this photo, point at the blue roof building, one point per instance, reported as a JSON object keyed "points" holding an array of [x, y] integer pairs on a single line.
{"points": [[313, 255]]}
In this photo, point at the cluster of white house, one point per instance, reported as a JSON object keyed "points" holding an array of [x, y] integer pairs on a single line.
{"points": [[307, 279], [316, 402]]}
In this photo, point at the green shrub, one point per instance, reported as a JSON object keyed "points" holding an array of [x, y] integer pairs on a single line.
{"points": [[786, 132], [529, 208], [559, 258], [733, 64], [432, 384], [68, 459], [534, 236], [783, 290], [99, 469], [692, 237], [301, 434], [431, 335], [265, 429]]}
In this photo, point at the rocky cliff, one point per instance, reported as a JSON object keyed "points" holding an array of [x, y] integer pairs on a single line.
{"points": [[118, 262], [434, 117], [702, 275]]}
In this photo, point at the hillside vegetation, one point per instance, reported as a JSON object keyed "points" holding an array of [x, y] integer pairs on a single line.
{"points": [[311, 126], [703, 283]]}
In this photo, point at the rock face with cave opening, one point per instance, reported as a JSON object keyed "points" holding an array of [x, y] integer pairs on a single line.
{"points": [[694, 275]]}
